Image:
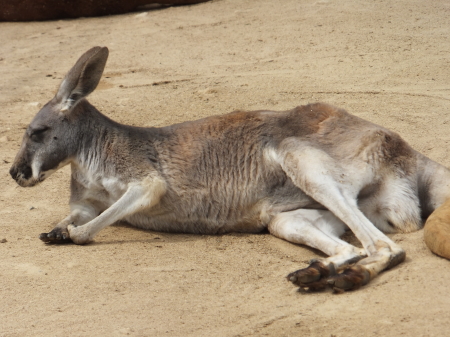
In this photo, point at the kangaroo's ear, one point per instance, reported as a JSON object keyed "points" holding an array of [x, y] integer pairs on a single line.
{"points": [[83, 78]]}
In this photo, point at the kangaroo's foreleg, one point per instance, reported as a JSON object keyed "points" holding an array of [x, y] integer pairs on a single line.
{"points": [[81, 213], [138, 196], [82, 210]]}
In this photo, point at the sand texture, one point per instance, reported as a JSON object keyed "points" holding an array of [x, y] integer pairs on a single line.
{"points": [[385, 61]]}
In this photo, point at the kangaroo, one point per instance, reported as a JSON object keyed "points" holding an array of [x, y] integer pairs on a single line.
{"points": [[306, 175]]}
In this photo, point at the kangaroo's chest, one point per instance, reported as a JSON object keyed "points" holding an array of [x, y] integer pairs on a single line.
{"points": [[101, 188]]}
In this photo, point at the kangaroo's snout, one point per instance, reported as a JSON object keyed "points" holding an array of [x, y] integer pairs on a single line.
{"points": [[21, 173]]}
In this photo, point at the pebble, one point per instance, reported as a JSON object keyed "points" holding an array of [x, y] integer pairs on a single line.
{"points": [[141, 15]]}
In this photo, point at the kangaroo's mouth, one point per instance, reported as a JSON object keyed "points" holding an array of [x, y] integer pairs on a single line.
{"points": [[30, 182]]}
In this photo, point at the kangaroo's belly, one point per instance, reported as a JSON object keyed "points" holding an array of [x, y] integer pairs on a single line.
{"points": [[212, 219]]}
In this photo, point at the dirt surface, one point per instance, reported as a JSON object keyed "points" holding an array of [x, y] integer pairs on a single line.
{"points": [[386, 61]]}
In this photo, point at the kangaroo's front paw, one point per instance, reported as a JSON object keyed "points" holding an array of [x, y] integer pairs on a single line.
{"points": [[56, 235], [79, 234], [313, 278]]}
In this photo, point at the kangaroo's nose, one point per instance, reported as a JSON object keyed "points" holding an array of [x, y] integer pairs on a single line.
{"points": [[23, 170], [13, 172]]}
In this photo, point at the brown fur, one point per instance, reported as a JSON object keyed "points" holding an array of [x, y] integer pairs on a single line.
{"points": [[39, 10]]}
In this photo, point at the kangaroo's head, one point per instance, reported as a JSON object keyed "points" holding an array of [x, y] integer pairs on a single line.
{"points": [[50, 141]]}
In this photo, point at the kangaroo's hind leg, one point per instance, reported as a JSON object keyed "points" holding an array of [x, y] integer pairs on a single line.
{"points": [[319, 229], [335, 185]]}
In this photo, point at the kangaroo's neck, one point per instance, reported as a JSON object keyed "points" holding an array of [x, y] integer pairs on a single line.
{"points": [[105, 146]]}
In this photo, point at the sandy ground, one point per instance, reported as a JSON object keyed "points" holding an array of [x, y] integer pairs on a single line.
{"points": [[386, 61]]}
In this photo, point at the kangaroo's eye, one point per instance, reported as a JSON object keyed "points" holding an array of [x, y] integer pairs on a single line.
{"points": [[37, 134]]}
